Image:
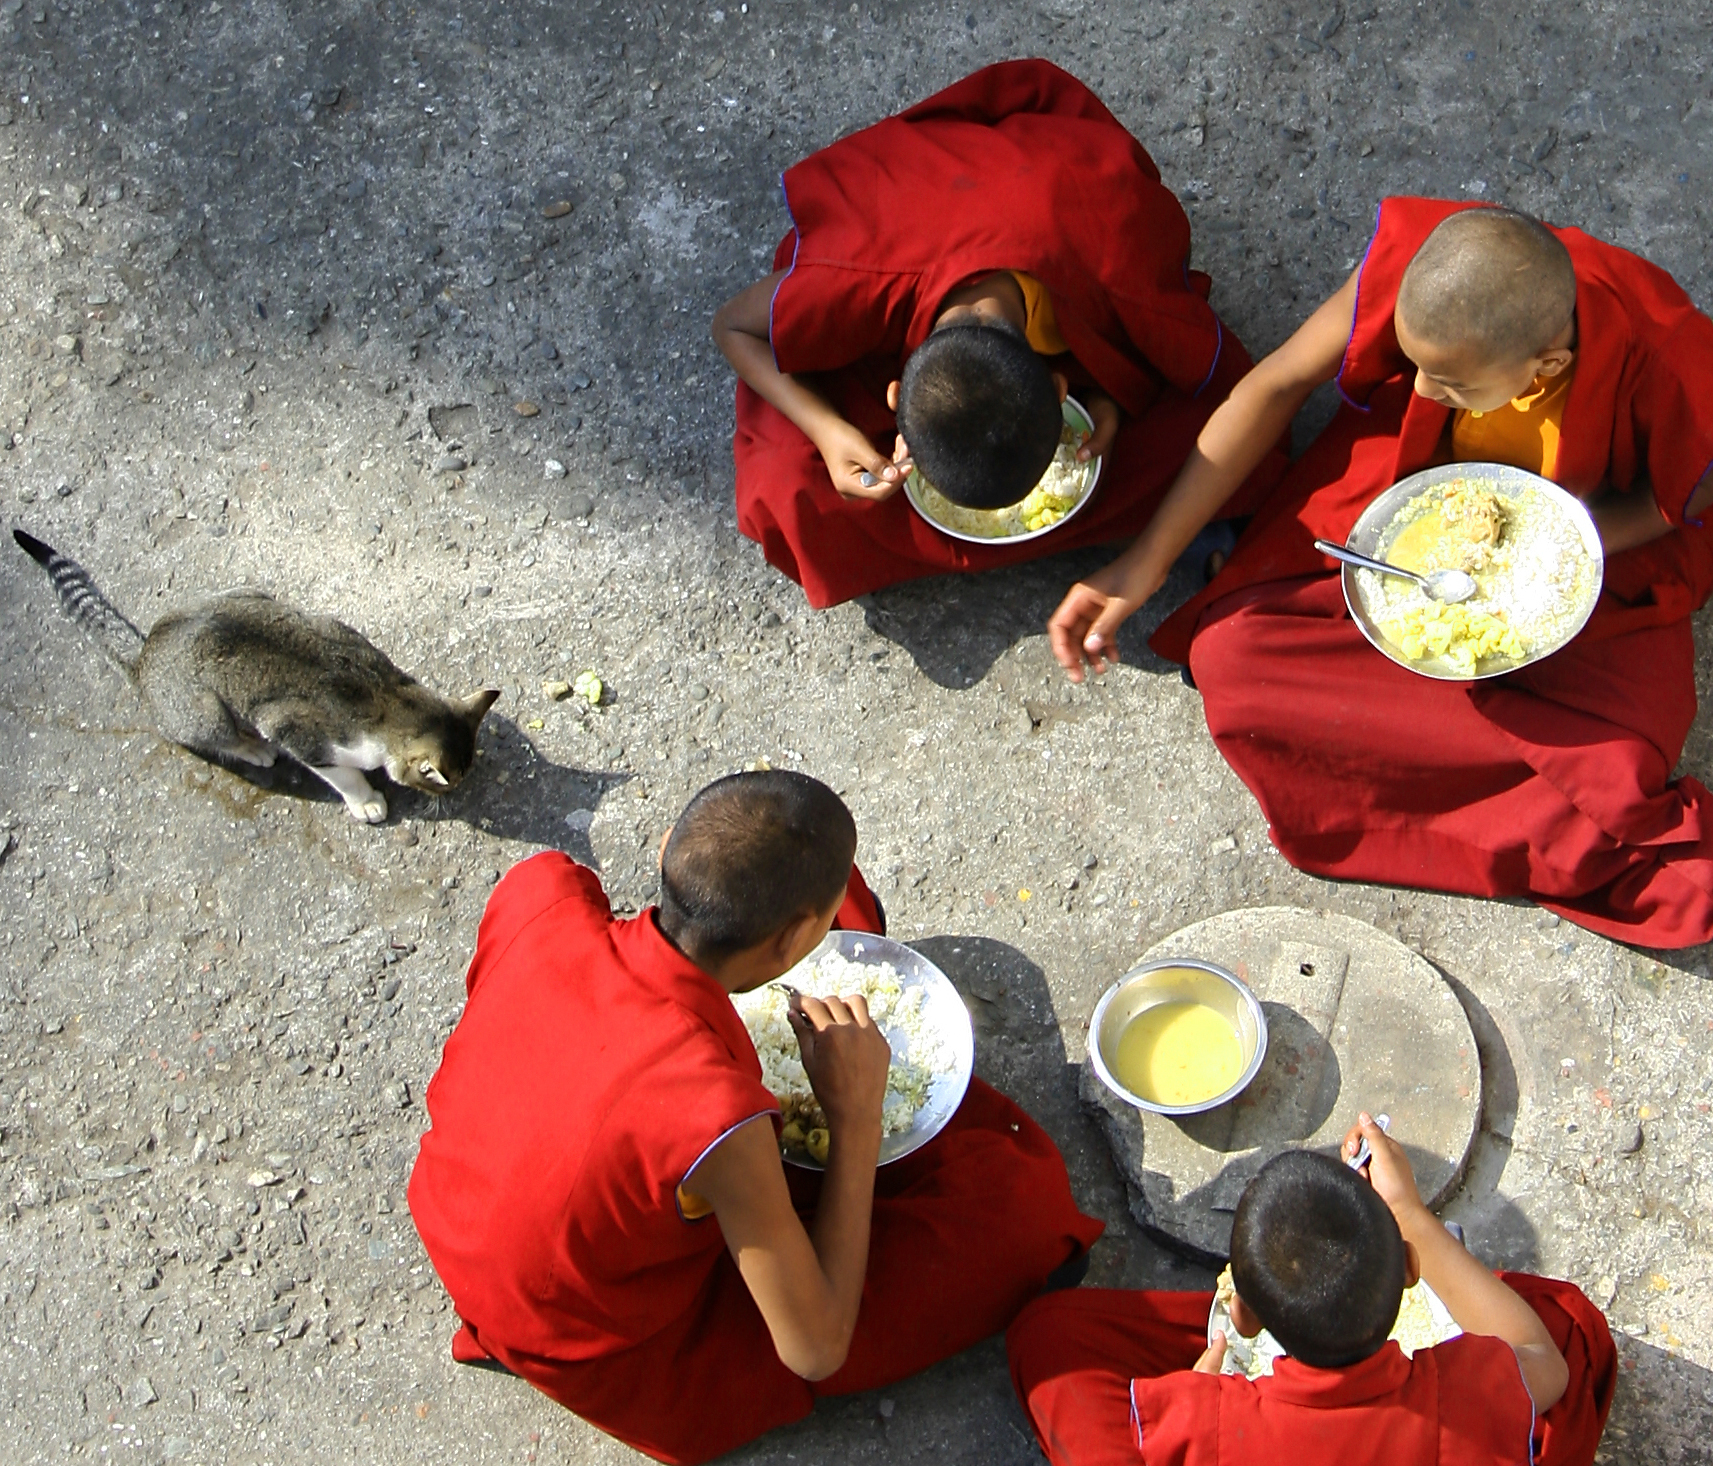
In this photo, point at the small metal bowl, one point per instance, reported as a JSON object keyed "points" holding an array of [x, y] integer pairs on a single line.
{"points": [[1178, 980]]}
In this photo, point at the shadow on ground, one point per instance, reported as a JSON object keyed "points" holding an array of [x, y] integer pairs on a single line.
{"points": [[955, 627]]}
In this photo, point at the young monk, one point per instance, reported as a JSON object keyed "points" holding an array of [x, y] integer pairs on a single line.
{"points": [[1469, 333], [601, 1190], [1012, 231], [1320, 1258]]}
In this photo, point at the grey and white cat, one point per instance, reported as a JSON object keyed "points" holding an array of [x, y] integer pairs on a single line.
{"points": [[244, 677]]}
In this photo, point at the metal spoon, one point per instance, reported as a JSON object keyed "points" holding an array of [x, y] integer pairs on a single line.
{"points": [[1449, 586], [1365, 1151]]}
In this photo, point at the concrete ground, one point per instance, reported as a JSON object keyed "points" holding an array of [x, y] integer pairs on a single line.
{"points": [[247, 248]]}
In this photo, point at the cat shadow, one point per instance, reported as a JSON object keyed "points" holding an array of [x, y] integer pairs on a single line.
{"points": [[515, 792], [956, 627]]}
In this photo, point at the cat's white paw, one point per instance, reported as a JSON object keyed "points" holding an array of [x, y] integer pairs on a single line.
{"points": [[257, 754], [371, 808]]}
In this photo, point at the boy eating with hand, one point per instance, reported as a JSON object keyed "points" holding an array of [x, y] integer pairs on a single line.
{"points": [[602, 1193], [1320, 1257], [950, 273]]}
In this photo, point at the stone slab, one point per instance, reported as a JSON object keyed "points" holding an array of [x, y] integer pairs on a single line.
{"points": [[1355, 1020]]}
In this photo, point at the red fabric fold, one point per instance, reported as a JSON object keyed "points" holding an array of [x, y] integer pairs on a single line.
{"points": [[1006, 166], [1553, 783]]}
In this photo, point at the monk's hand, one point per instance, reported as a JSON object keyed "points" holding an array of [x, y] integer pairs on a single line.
{"points": [[1107, 416], [1085, 627], [845, 1056], [1213, 1357], [1388, 1168], [857, 468]]}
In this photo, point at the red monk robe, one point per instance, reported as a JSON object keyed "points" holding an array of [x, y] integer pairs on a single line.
{"points": [[1104, 1376], [1018, 167], [1554, 782], [593, 1067]]}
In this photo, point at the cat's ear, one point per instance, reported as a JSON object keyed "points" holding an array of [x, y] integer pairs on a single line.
{"points": [[428, 771], [476, 705]]}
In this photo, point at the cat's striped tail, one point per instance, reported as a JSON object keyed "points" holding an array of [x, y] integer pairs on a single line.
{"points": [[101, 621]]}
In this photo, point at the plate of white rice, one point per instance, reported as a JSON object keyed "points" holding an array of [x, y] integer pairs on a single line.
{"points": [[915, 1006], [1060, 494]]}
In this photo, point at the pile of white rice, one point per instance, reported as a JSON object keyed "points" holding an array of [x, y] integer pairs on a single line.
{"points": [[919, 1053]]}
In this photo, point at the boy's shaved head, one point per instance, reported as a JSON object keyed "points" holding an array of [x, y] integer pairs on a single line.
{"points": [[1491, 281], [980, 411], [1317, 1256], [750, 854]]}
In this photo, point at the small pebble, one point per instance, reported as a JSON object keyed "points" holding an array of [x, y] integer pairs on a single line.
{"points": [[1632, 1142], [553, 468], [886, 1409], [404, 836], [581, 506], [480, 592], [558, 209], [450, 463], [525, 409], [698, 693], [558, 690]]}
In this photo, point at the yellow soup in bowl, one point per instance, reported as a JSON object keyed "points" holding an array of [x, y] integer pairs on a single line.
{"points": [[1180, 1053]]}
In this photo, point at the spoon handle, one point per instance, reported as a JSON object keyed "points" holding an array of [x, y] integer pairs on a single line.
{"points": [[1350, 557]]}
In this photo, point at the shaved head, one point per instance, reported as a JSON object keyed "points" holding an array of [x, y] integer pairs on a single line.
{"points": [[1489, 281], [751, 854]]}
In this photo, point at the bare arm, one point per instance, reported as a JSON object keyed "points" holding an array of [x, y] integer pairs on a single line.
{"points": [[1236, 438], [742, 328], [808, 1285], [1477, 1300], [1633, 518]]}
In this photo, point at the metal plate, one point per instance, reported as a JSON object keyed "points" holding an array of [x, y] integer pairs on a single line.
{"points": [[1370, 537], [942, 1007], [1077, 416]]}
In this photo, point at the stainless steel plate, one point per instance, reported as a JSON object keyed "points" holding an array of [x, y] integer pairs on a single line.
{"points": [[1077, 416], [942, 1007], [1372, 536]]}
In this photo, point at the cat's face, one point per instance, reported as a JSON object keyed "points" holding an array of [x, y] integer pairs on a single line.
{"points": [[437, 759]]}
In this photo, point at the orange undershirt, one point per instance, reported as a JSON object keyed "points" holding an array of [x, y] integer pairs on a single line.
{"points": [[1523, 433], [1040, 325]]}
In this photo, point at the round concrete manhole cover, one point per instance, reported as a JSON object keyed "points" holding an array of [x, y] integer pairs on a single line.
{"points": [[1355, 1021]]}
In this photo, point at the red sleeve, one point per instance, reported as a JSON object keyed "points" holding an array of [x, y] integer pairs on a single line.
{"points": [[1372, 355], [861, 911], [1176, 1418], [1674, 412], [527, 890], [826, 316]]}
